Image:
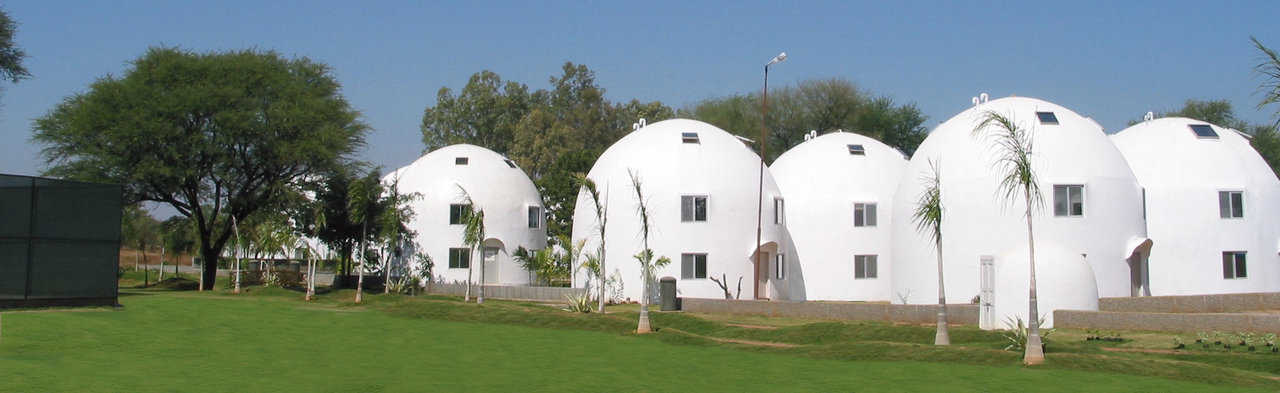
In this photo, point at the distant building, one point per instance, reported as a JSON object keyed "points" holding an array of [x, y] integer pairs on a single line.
{"points": [[1211, 204], [514, 214]]}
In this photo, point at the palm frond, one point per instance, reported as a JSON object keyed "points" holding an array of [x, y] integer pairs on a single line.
{"points": [[1269, 68], [928, 211], [1013, 147]]}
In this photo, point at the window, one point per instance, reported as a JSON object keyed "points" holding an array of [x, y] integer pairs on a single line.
{"points": [[779, 211], [864, 266], [693, 208], [535, 217], [693, 266], [780, 266], [1068, 200], [1203, 131], [1233, 265], [1047, 117], [460, 161], [459, 258], [1231, 204], [510, 163], [864, 214], [857, 150], [1144, 203], [689, 137], [457, 212]]}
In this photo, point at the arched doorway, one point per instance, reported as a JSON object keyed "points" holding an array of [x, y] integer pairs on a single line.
{"points": [[1139, 251]]}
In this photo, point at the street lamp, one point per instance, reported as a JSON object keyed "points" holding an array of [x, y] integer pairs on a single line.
{"points": [[763, 143]]}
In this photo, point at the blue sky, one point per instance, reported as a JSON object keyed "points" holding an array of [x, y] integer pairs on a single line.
{"points": [[1110, 60]]}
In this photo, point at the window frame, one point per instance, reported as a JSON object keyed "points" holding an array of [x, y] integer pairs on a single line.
{"points": [[463, 258], [1068, 213], [457, 219], [779, 211], [780, 266], [874, 219], [690, 137], [537, 221], [1236, 267], [1195, 127], [462, 161], [857, 149], [693, 206], [692, 267], [860, 263], [1229, 209], [1051, 121]]}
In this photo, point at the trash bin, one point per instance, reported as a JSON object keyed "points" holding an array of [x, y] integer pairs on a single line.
{"points": [[667, 290]]}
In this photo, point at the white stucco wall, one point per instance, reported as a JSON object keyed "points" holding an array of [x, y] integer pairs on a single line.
{"points": [[1182, 175], [1064, 281], [719, 166], [979, 222], [503, 192], [821, 182]]}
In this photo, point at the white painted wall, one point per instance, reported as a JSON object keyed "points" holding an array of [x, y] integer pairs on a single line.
{"points": [[821, 182], [979, 222], [1182, 175], [503, 192], [719, 166], [1064, 281]]}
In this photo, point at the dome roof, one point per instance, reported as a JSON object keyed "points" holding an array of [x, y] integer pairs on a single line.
{"points": [[839, 164], [1064, 281], [1168, 152]]}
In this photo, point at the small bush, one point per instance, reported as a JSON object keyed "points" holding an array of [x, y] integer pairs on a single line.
{"points": [[1018, 331], [579, 303]]}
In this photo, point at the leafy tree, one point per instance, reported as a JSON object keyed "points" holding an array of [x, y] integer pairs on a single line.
{"points": [[928, 219], [1013, 148], [485, 113], [214, 135], [473, 235], [393, 225], [821, 104], [363, 206], [140, 231], [11, 55]]}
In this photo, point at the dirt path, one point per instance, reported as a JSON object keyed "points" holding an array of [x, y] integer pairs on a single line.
{"points": [[769, 344]]}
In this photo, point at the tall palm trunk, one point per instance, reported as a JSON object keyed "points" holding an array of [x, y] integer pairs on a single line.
{"points": [[364, 231], [643, 327], [311, 278], [466, 297], [1035, 352], [943, 337], [386, 271], [161, 277], [480, 295], [603, 274]]}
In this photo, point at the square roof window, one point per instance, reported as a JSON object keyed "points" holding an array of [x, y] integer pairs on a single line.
{"points": [[1204, 131], [1047, 117], [857, 150], [689, 137], [460, 161]]}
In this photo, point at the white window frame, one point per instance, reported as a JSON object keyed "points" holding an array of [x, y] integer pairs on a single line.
{"points": [[1231, 270], [1231, 213], [693, 206], [867, 221], [863, 259], [538, 221], [461, 213], [779, 211], [1084, 203], [692, 267], [780, 266]]}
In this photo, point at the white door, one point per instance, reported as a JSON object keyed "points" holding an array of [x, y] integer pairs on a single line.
{"points": [[490, 265], [986, 298]]}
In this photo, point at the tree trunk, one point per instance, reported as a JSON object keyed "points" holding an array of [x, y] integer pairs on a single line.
{"points": [[466, 297], [480, 295], [943, 337], [364, 230], [643, 328], [311, 279], [1035, 352], [386, 272], [603, 273], [161, 276]]}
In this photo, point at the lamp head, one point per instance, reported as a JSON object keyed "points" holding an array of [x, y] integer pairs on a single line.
{"points": [[778, 59]]}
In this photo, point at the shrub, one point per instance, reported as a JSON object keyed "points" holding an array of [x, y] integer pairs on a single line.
{"points": [[1017, 334], [579, 303]]}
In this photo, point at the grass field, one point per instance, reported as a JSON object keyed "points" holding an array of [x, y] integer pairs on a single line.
{"points": [[268, 340]]}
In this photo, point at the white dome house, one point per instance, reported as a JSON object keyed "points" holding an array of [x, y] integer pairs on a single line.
{"points": [[700, 184], [1211, 206], [512, 206], [1092, 209], [838, 191]]}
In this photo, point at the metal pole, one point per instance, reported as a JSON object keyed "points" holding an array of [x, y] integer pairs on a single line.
{"points": [[764, 114]]}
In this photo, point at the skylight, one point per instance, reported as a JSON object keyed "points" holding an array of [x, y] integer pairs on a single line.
{"points": [[460, 161], [1047, 117], [1204, 131], [689, 137], [857, 150], [510, 163]]}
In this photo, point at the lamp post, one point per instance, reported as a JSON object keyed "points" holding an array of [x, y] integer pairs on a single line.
{"points": [[764, 114]]}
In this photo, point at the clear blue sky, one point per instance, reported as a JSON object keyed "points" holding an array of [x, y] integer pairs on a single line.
{"points": [[1111, 60]]}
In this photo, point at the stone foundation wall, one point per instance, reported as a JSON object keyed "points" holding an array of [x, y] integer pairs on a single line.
{"points": [[1167, 322], [1230, 303], [544, 294], [965, 314]]}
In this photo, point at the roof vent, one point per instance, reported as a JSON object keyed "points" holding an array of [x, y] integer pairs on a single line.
{"points": [[689, 137], [857, 150], [1149, 116], [811, 134], [975, 101], [1203, 131], [638, 125], [984, 97], [1047, 118], [509, 162], [460, 161]]}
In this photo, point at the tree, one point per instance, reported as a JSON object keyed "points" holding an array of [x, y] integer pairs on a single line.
{"points": [[11, 55], [645, 257], [473, 236], [1013, 146], [928, 219], [393, 226], [601, 207], [179, 237], [1264, 139], [140, 230], [363, 206], [214, 135], [485, 113]]}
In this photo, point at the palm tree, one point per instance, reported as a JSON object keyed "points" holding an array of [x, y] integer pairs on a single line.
{"points": [[602, 211], [473, 237], [318, 221], [363, 206], [1013, 146], [645, 257], [928, 219], [1269, 68], [394, 225]]}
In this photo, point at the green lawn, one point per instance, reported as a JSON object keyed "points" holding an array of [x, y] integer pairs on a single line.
{"points": [[271, 341]]}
